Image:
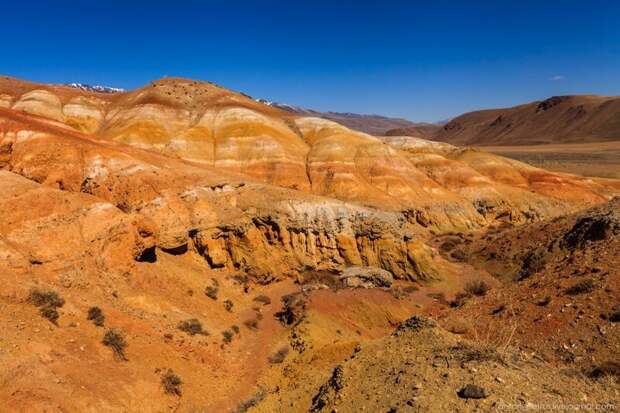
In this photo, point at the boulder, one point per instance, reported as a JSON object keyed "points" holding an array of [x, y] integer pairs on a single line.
{"points": [[366, 277]]}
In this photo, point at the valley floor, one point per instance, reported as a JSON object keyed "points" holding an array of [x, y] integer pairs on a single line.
{"points": [[587, 159]]}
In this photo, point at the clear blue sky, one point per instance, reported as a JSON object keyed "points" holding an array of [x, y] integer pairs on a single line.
{"points": [[426, 60]]}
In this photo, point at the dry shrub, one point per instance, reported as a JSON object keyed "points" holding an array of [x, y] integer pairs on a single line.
{"points": [[458, 326], [192, 327], [212, 290], [48, 301], [411, 289], [227, 336], [49, 313], [279, 356], [545, 301], [610, 368], [459, 300], [96, 316], [263, 299], [293, 311], [476, 352], [400, 292], [228, 305], [251, 324], [478, 287], [171, 383], [440, 297], [458, 255], [532, 263], [116, 341], [322, 278], [499, 309], [497, 335], [40, 297], [253, 401], [585, 286]]}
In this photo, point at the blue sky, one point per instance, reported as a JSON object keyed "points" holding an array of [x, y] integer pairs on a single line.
{"points": [[423, 61]]}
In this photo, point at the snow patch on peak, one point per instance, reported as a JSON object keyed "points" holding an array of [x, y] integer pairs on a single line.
{"points": [[283, 106], [95, 88]]}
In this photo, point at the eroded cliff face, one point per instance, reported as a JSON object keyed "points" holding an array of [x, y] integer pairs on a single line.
{"points": [[169, 205]]}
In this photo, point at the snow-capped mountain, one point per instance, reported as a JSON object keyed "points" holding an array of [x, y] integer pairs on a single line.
{"points": [[95, 88], [283, 106]]}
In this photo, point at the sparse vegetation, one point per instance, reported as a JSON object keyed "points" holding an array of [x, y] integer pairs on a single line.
{"points": [[459, 326], [242, 280], [116, 341], [472, 288], [253, 401], [466, 353], [610, 368], [50, 313], [228, 305], [439, 297], [498, 309], [171, 383], [45, 298], [581, 287], [192, 327], [532, 263], [545, 301], [251, 324], [459, 300], [263, 299], [458, 255], [321, 279], [96, 316], [279, 356], [227, 336], [400, 292], [212, 290], [479, 287], [48, 301], [411, 289], [293, 311]]}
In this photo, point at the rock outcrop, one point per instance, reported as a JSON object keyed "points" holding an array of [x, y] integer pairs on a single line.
{"points": [[366, 277]]}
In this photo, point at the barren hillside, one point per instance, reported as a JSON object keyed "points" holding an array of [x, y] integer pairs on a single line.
{"points": [[559, 119]]}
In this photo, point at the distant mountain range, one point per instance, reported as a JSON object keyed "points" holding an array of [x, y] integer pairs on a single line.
{"points": [[371, 124]]}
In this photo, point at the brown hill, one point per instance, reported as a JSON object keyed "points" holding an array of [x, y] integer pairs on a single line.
{"points": [[559, 119]]}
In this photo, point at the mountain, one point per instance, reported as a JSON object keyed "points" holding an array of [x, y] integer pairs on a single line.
{"points": [[421, 130], [183, 247], [95, 88], [559, 119], [371, 124]]}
